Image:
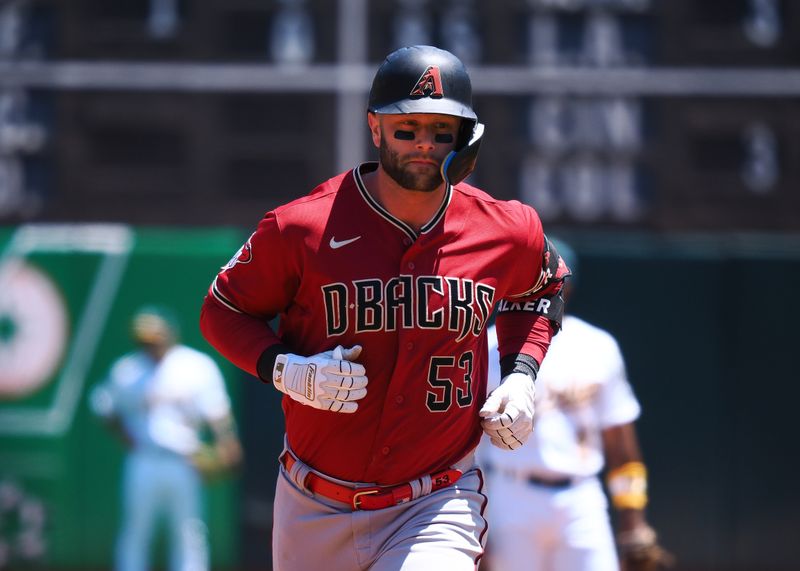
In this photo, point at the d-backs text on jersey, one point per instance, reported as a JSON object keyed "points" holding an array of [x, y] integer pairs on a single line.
{"points": [[406, 301]]}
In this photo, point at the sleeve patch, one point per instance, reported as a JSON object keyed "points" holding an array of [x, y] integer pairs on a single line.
{"points": [[243, 255], [553, 270]]}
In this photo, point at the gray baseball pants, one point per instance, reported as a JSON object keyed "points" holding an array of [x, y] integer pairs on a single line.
{"points": [[442, 530]]}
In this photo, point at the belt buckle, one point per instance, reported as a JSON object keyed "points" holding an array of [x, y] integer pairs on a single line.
{"points": [[356, 501]]}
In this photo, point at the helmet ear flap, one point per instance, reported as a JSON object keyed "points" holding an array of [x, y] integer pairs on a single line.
{"points": [[461, 162], [464, 135]]}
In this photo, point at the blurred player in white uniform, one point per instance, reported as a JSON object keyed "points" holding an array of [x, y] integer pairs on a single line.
{"points": [[547, 507], [159, 399]]}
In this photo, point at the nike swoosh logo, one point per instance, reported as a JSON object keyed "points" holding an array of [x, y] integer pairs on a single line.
{"points": [[335, 244]]}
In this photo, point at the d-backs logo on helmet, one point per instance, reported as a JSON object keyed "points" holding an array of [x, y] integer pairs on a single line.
{"points": [[429, 83]]}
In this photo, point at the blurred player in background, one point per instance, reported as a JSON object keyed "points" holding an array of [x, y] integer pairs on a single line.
{"points": [[547, 508], [161, 400]]}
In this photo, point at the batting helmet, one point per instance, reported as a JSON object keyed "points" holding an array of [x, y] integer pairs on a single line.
{"points": [[426, 79]]}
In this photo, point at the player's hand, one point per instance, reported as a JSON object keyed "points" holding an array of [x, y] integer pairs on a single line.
{"points": [[327, 381], [639, 551], [208, 462], [508, 412]]}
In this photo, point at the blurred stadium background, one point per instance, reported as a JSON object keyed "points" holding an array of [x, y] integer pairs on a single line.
{"points": [[142, 140]]}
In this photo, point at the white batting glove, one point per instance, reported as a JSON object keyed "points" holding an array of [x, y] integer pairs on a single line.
{"points": [[508, 412], [327, 381]]}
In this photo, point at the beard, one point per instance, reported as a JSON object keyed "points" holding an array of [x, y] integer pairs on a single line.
{"points": [[390, 161]]}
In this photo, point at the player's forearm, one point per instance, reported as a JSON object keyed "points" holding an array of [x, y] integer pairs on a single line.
{"points": [[226, 441], [239, 337], [525, 333], [626, 475], [629, 519], [229, 453], [620, 446]]}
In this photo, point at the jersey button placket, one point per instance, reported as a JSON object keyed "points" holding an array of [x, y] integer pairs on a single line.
{"points": [[385, 450]]}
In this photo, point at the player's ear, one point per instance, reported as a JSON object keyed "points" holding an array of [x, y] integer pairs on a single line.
{"points": [[374, 128]]}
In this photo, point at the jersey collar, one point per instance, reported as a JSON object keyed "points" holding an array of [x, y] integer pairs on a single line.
{"points": [[427, 227]]}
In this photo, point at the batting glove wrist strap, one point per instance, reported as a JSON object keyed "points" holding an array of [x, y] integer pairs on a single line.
{"points": [[508, 412], [326, 381], [519, 363], [266, 362]]}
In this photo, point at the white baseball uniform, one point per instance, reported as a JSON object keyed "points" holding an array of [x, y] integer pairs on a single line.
{"points": [[163, 407], [547, 508]]}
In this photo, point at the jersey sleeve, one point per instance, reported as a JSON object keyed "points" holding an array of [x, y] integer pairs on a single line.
{"points": [[523, 333], [616, 402], [261, 278], [102, 402], [531, 312], [107, 398], [540, 274], [251, 289]]}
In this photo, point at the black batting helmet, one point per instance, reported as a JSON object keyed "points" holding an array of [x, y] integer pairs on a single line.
{"points": [[422, 79], [426, 79]]}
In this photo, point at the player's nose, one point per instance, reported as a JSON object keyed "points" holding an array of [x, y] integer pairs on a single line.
{"points": [[425, 140]]}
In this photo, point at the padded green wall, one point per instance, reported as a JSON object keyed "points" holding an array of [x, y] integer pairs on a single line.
{"points": [[73, 467]]}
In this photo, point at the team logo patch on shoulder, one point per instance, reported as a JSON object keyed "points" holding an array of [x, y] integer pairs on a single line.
{"points": [[242, 256], [429, 83]]}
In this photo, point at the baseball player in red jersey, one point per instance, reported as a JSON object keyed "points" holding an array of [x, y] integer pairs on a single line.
{"points": [[384, 278]]}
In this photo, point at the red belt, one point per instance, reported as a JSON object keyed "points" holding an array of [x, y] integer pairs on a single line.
{"points": [[372, 497]]}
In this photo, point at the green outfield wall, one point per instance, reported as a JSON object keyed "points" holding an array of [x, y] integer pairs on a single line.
{"points": [[67, 296]]}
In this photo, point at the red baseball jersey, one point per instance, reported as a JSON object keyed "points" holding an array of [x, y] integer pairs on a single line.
{"points": [[338, 269]]}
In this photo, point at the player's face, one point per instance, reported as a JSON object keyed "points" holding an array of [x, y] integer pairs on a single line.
{"points": [[153, 335], [413, 146]]}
